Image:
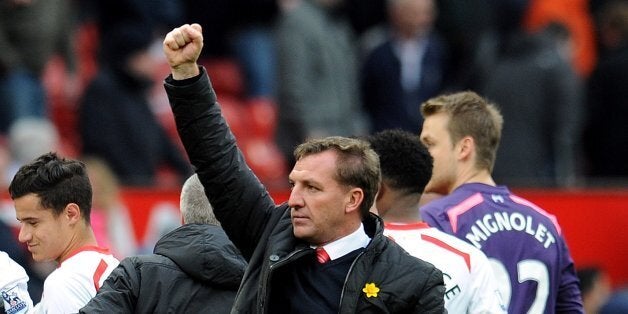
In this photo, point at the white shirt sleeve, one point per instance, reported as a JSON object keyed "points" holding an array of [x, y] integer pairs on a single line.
{"points": [[64, 292], [74, 282], [13, 286], [486, 297]]}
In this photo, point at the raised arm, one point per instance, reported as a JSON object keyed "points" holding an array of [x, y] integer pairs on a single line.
{"points": [[241, 203]]}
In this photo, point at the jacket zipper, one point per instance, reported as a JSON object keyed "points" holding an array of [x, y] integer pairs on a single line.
{"points": [[266, 291], [344, 284]]}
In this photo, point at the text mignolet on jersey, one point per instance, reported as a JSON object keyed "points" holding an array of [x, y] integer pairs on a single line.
{"points": [[496, 222]]}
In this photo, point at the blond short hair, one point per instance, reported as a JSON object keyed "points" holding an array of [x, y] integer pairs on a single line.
{"points": [[470, 115]]}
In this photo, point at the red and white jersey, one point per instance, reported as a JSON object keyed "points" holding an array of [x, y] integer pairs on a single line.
{"points": [[13, 286], [470, 285], [76, 281]]}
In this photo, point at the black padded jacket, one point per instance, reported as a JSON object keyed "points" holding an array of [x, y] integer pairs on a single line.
{"points": [[194, 269]]}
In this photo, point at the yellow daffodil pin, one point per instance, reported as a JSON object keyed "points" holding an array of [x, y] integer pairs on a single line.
{"points": [[371, 290]]}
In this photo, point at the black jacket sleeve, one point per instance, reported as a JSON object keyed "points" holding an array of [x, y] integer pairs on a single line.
{"points": [[241, 203], [120, 291], [431, 300]]}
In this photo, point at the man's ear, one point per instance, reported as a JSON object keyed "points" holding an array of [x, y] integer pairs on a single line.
{"points": [[73, 213], [355, 199], [466, 147]]}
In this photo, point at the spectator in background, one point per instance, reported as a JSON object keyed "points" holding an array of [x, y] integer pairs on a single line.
{"points": [[472, 30], [318, 69], [607, 100], [13, 287], [617, 303], [540, 98], [28, 138], [405, 70], [576, 16], [595, 287], [364, 15], [111, 220], [530, 258], [470, 286], [194, 269], [163, 219], [115, 118], [254, 46], [219, 16], [53, 199], [159, 15], [597, 294], [31, 33]]}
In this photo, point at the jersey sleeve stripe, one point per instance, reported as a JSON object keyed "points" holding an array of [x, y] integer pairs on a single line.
{"points": [[406, 226], [461, 208], [465, 256], [100, 270]]}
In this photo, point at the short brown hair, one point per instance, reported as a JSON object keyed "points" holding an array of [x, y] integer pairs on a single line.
{"points": [[470, 115], [357, 164]]}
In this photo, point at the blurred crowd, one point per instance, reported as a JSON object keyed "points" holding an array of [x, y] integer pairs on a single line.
{"points": [[84, 78]]}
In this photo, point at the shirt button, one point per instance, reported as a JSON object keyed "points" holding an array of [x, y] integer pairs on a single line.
{"points": [[274, 258]]}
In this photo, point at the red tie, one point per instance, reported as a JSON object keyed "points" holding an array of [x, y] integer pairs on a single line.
{"points": [[322, 255]]}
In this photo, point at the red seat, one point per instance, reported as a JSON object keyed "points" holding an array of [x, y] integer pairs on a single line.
{"points": [[262, 114], [225, 75], [265, 160], [232, 110]]}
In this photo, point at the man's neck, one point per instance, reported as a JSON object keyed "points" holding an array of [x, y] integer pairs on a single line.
{"points": [[82, 238], [474, 176], [404, 208]]}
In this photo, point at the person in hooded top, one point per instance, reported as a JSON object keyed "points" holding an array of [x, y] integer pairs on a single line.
{"points": [[194, 269]]}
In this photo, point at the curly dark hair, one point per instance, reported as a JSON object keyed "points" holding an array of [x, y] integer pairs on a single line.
{"points": [[56, 181], [405, 163]]}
